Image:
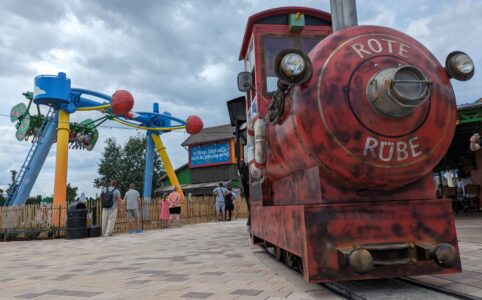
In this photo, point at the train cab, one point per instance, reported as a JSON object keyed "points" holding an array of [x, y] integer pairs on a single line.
{"points": [[268, 34]]}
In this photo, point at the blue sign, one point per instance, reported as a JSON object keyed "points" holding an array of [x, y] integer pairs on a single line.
{"points": [[209, 154]]}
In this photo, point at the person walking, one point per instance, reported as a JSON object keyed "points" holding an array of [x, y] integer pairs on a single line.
{"points": [[164, 216], [220, 205], [133, 203], [174, 200], [110, 197]]}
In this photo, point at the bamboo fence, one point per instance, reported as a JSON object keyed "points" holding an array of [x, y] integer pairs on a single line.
{"points": [[35, 220]]}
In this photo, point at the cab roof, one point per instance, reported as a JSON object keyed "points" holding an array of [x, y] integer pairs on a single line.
{"points": [[279, 16]]}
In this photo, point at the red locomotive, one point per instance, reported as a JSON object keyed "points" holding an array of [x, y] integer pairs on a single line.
{"points": [[343, 131]]}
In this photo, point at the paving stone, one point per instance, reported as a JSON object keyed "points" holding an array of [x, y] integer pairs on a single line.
{"points": [[29, 295], [476, 293], [197, 295], [175, 279], [138, 281], [84, 294], [153, 272], [244, 292], [213, 273], [463, 288], [63, 277]]}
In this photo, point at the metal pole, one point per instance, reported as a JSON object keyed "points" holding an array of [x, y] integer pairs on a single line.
{"points": [[343, 14], [171, 174], [148, 171], [60, 184]]}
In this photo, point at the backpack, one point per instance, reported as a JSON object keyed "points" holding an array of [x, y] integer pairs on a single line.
{"points": [[107, 198]]}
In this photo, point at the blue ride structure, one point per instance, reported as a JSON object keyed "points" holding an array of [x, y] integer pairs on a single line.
{"points": [[55, 91]]}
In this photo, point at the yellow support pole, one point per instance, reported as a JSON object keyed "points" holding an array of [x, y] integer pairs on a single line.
{"points": [[60, 185], [167, 163]]}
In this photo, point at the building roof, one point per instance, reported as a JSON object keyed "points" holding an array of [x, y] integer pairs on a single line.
{"points": [[176, 170], [210, 134], [469, 120], [275, 16]]}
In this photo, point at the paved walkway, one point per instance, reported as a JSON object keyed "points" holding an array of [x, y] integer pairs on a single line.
{"points": [[469, 234], [203, 261]]}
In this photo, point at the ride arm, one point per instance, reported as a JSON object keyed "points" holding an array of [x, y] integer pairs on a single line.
{"points": [[167, 163]]}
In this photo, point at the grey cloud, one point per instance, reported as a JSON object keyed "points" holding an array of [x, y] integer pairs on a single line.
{"points": [[158, 49]]}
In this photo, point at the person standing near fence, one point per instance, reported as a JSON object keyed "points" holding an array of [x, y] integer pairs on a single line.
{"points": [[229, 202], [133, 203], [164, 216], [220, 205], [174, 200], [110, 197]]}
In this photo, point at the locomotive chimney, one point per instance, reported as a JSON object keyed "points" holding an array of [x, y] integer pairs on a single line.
{"points": [[343, 14]]}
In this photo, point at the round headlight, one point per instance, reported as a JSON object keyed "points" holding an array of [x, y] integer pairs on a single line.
{"points": [[292, 64], [459, 66], [292, 67]]}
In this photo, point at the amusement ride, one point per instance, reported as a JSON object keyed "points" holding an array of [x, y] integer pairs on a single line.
{"points": [[62, 100]]}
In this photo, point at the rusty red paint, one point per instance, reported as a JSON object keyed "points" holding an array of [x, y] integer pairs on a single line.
{"points": [[326, 187], [331, 121]]}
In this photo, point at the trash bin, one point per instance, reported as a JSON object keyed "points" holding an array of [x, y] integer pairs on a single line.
{"points": [[77, 221]]}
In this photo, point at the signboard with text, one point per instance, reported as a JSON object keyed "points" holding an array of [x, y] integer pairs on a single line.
{"points": [[209, 154]]}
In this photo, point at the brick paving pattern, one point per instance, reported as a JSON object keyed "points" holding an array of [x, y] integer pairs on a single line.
{"points": [[203, 261]]}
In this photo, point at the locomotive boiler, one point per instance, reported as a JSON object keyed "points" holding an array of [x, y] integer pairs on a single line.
{"points": [[343, 130]]}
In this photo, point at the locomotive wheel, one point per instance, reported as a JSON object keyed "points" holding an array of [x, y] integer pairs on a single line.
{"points": [[267, 245], [278, 253], [290, 259], [299, 264]]}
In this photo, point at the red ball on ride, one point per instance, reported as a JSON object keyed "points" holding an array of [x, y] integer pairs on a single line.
{"points": [[194, 124], [122, 102]]}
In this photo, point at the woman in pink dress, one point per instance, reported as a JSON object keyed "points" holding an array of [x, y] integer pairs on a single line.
{"points": [[164, 212], [174, 200]]}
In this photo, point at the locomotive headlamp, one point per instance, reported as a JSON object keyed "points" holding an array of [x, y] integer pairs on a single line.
{"points": [[292, 66], [459, 66]]}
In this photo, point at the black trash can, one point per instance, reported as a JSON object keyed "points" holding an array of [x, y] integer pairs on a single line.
{"points": [[77, 221]]}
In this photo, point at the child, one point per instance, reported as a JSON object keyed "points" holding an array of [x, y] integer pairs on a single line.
{"points": [[174, 200], [164, 212]]}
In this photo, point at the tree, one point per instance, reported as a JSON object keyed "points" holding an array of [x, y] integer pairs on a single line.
{"points": [[109, 163], [71, 193], [126, 164], [2, 198], [13, 179]]}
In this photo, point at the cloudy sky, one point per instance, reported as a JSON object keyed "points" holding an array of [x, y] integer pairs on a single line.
{"points": [[181, 54]]}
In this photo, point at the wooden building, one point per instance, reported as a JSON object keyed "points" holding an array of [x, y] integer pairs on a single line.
{"points": [[211, 160]]}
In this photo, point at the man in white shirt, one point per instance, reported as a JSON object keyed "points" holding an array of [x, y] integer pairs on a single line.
{"points": [[220, 205], [109, 214], [133, 200]]}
